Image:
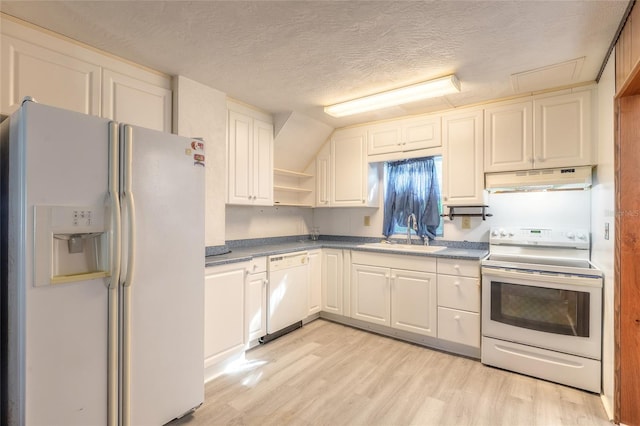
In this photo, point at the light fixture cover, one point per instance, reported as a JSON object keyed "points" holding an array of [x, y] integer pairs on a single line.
{"points": [[415, 92]]}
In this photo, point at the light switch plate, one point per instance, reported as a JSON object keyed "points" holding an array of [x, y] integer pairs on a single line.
{"points": [[466, 222]]}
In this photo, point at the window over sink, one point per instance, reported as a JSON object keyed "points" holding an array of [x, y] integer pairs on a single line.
{"points": [[413, 187]]}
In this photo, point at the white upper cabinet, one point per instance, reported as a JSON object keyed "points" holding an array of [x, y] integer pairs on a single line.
{"points": [[323, 176], [404, 135], [508, 137], [549, 131], [354, 182], [250, 160], [462, 165], [562, 135], [50, 77], [133, 101], [63, 73]]}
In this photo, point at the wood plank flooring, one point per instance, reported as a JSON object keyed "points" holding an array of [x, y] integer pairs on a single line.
{"points": [[329, 374]]}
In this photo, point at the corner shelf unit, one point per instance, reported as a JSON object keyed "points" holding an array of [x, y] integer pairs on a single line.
{"points": [[291, 188]]}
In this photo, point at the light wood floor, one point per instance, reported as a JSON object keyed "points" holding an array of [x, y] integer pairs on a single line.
{"points": [[329, 374]]}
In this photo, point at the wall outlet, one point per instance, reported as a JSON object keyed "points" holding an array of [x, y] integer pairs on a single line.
{"points": [[466, 222], [367, 221]]}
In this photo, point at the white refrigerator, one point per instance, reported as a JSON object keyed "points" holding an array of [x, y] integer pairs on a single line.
{"points": [[102, 271]]}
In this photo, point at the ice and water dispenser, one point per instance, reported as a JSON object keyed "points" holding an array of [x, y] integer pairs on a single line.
{"points": [[70, 244]]}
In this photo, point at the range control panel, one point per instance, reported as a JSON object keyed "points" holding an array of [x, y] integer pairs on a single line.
{"points": [[549, 237]]}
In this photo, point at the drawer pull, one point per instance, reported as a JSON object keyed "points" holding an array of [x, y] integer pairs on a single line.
{"points": [[457, 317]]}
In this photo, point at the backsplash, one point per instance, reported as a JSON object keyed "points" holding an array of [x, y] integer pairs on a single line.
{"points": [[531, 209], [245, 222]]}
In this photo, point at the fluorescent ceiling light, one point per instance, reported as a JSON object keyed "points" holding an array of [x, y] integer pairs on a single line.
{"points": [[404, 95]]}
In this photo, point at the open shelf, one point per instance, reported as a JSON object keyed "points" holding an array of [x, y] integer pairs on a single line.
{"points": [[292, 188], [290, 173]]}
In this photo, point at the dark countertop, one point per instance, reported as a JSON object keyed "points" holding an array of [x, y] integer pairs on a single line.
{"points": [[244, 254]]}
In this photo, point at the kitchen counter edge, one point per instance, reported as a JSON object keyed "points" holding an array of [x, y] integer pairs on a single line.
{"points": [[246, 254]]}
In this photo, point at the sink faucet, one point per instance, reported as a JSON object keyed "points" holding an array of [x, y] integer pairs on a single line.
{"points": [[409, 227]]}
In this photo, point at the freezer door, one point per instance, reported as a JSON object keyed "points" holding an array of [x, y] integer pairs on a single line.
{"points": [[163, 266], [57, 348]]}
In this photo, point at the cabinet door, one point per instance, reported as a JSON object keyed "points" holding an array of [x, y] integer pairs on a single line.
{"points": [[508, 137], [370, 294], [50, 77], [262, 163], [562, 136], [384, 138], [421, 133], [224, 328], [323, 181], [332, 281], [315, 282], [240, 149], [413, 302], [256, 306], [132, 101], [348, 168], [462, 162]]}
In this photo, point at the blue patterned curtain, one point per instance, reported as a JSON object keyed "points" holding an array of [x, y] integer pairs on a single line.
{"points": [[412, 187]]}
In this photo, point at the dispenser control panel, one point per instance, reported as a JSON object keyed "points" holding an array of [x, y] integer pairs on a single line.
{"points": [[76, 219]]}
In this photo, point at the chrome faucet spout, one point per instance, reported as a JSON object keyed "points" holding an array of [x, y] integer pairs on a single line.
{"points": [[415, 226]]}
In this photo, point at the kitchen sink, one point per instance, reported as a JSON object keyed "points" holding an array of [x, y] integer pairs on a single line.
{"points": [[410, 248]]}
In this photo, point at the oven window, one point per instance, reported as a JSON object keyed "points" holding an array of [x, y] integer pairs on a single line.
{"points": [[543, 309]]}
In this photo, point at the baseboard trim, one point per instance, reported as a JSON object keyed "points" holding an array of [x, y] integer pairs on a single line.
{"points": [[418, 339], [608, 407]]}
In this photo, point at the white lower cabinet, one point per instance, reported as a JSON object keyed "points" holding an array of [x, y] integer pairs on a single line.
{"points": [[332, 281], [395, 291], [411, 292], [256, 300], [224, 312], [315, 282], [370, 294], [459, 301]]}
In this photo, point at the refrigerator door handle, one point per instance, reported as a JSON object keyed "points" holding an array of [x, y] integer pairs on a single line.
{"points": [[116, 253], [129, 199], [114, 200], [125, 368]]}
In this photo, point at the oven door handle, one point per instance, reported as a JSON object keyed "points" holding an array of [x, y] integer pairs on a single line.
{"points": [[545, 278]]}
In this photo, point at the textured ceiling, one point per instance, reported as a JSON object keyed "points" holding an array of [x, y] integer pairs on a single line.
{"points": [[300, 55]]}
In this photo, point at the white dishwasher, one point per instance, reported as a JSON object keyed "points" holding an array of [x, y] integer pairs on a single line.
{"points": [[287, 301]]}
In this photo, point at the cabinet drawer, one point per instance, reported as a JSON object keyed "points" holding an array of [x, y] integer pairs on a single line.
{"points": [[395, 261], [465, 268], [459, 292], [459, 326], [257, 265]]}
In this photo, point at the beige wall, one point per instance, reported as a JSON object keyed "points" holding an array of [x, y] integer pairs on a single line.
{"points": [[200, 111], [602, 211]]}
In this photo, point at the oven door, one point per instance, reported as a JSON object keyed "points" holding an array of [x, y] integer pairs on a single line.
{"points": [[552, 311]]}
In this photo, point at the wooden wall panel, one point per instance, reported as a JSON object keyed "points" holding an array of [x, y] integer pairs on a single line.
{"points": [[628, 253]]}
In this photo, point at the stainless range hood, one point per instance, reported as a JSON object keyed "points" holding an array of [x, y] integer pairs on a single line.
{"points": [[539, 180]]}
